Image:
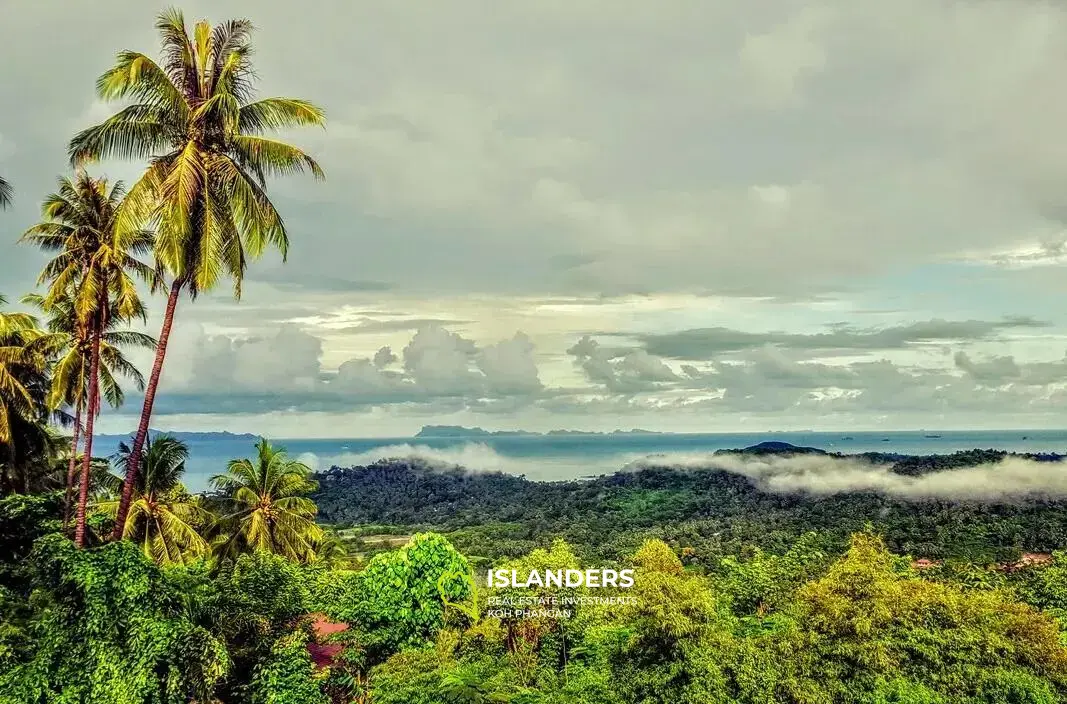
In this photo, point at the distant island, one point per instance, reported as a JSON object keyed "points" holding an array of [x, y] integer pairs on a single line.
{"points": [[458, 431], [188, 436]]}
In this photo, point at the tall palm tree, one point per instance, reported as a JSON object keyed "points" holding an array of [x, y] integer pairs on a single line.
{"points": [[269, 509], [163, 518], [65, 345], [94, 269], [194, 118], [6, 192]]}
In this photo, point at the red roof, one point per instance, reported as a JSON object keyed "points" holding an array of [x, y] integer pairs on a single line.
{"points": [[324, 654]]}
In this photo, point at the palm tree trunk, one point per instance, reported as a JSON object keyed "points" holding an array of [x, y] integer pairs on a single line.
{"points": [[93, 410], [72, 466], [146, 411]]}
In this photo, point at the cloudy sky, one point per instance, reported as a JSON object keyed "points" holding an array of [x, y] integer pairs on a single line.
{"points": [[680, 215]]}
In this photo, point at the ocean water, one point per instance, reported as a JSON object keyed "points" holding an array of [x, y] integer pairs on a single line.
{"points": [[556, 457]]}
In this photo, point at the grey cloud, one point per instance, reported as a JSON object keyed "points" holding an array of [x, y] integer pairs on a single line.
{"points": [[705, 343], [463, 157], [294, 280], [1005, 369], [770, 381], [621, 371], [384, 357]]}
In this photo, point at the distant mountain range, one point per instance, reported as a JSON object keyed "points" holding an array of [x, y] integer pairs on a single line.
{"points": [[188, 436], [458, 431]]}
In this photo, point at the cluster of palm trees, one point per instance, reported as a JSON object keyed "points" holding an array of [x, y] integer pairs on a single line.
{"points": [[260, 505], [196, 216]]}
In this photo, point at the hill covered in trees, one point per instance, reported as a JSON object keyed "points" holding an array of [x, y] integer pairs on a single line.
{"points": [[716, 510]]}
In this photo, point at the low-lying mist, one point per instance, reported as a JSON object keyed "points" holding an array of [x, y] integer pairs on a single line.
{"points": [[1011, 479]]}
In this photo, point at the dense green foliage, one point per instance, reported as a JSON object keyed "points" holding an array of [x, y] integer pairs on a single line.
{"points": [[805, 625], [398, 599], [712, 512], [104, 625]]}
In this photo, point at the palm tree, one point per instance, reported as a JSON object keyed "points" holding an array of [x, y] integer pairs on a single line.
{"points": [[66, 346], [24, 434], [94, 271], [331, 551], [19, 368], [6, 192], [194, 119], [268, 507], [163, 518]]}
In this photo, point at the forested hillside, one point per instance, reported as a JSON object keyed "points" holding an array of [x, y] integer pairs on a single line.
{"points": [[709, 510]]}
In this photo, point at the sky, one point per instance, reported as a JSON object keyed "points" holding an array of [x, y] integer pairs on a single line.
{"points": [[593, 214]]}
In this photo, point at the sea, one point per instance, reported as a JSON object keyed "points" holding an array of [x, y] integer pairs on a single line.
{"points": [[573, 456]]}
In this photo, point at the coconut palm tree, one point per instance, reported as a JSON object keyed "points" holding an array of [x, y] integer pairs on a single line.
{"points": [[268, 506], [331, 551], [194, 118], [20, 371], [28, 445], [94, 269], [6, 192], [68, 350], [163, 518]]}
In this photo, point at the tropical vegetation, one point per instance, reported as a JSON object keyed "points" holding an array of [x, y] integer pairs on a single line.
{"points": [[193, 116], [266, 507], [244, 595], [164, 519]]}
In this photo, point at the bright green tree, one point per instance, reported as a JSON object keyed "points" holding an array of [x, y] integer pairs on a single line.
{"points": [[676, 640], [266, 504], [194, 118], [399, 599], [287, 677], [163, 518]]}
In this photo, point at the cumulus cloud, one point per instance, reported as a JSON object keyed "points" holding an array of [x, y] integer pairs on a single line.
{"points": [[282, 362], [283, 369], [620, 370], [384, 357], [509, 366], [440, 361]]}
